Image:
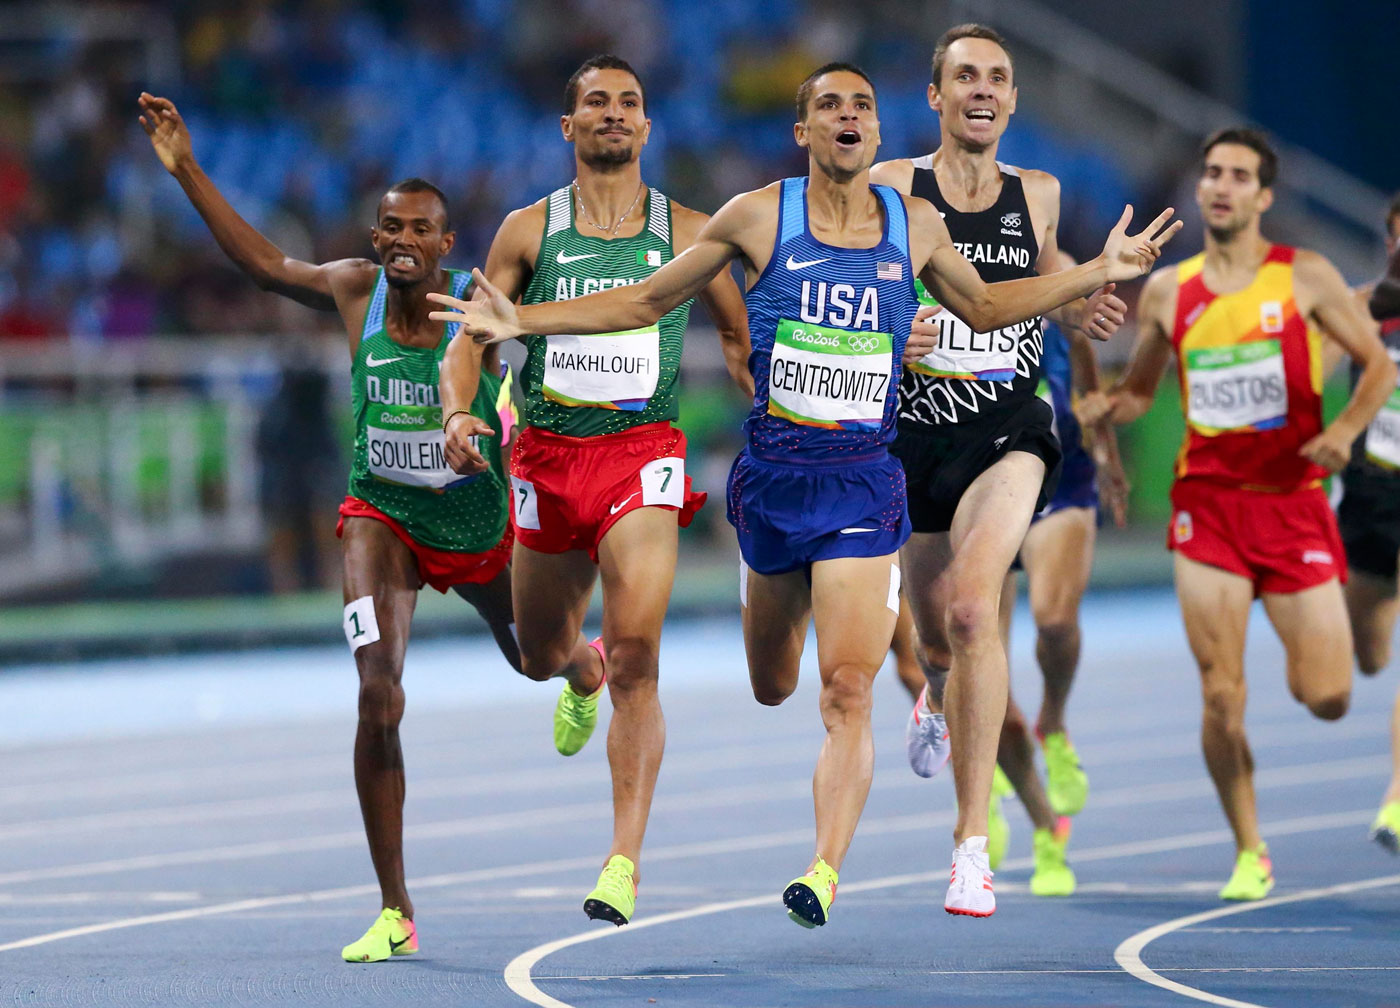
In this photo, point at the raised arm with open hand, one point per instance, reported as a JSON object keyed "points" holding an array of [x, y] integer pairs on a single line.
{"points": [[1129, 257]]}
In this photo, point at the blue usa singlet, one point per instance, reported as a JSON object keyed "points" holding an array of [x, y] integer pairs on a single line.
{"points": [[828, 326]]}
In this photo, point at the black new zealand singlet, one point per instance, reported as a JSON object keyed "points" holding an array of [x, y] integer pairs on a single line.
{"points": [[978, 376]]}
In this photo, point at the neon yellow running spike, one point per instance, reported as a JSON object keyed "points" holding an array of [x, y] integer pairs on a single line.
{"points": [[1066, 784], [998, 829], [809, 897], [1386, 829], [392, 934], [1253, 876], [576, 716], [614, 898], [1053, 875]]}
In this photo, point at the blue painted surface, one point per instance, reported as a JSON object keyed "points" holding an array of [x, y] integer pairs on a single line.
{"points": [[172, 785]]}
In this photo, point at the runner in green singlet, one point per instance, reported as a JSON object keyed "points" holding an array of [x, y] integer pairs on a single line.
{"points": [[409, 519], [598, 475]]}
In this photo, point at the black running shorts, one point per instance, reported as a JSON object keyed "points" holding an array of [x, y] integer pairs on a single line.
{"points": [[941, 462], [1369, 518]]}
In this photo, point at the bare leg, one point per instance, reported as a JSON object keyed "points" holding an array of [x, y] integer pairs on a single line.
{"points": [[1058, 554], [378, 565], [638, 562], [493, 602], [1372, 604], [1317, 640], [1015, 752], [1215, 608], [905, 648], [551, 593], [988, 527]]}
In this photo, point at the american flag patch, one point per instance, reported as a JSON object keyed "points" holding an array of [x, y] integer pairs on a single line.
{"points": [[889, 271]]}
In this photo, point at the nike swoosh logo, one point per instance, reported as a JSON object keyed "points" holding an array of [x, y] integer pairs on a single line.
{"points": [[848, 531], [370, 360], [564, 260], [394, 946], [618, 507], [793, 264]]}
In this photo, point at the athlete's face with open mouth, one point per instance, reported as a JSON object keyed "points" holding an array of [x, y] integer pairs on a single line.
{"points": [[842, 128], [410, 237], [609, 123], [975, 98]]}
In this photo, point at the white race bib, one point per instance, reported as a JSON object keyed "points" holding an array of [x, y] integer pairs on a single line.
{"points": [[972, 356], [611, 370], [404, 445], [822, 376], [1383, 435], [1236, 388]]}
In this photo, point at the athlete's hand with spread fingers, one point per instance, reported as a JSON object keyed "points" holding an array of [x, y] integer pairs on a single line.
{"points": [[1130, 256], [924, 335], [489, 319], [462, 454], [162, 123], [1331, 449], [1103, 313]]}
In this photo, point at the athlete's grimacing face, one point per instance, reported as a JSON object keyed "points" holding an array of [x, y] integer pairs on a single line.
{"points": [[411, 237], [1228, 192], [975, 98], [841, 130], [608, 124]]}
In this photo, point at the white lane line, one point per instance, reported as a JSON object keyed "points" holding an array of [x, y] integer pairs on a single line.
{"points": [[1128, 954], [518, 971], [1350, 768], [1169, 969]]}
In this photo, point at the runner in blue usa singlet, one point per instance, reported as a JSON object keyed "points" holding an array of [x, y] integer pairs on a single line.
{"points": [[815, 480]]}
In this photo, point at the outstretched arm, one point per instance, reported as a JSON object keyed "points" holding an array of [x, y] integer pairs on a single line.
{"points": [[1132, 394], [496, 318], [269, 267], [722, 300], [984, 307]]}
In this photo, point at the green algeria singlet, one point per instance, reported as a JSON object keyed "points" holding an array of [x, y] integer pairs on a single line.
{"points": [[399, 463], [583, 386]]}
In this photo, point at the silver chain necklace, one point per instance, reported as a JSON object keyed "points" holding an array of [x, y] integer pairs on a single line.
{"points": [[613, 230]]}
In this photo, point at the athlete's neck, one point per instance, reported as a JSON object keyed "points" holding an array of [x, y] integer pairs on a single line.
{"points": [[406, 310], [970, 179], [1238, 253], [841, 208], [609, 192]]}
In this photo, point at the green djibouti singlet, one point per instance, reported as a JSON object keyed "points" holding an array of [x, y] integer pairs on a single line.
{"points": [[583, 386], [399, 462]]}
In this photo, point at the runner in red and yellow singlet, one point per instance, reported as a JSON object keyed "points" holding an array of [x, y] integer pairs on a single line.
{"points": [[1245, 321], [598, 474]]}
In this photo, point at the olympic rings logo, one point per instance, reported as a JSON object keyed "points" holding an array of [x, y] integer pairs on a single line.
{"points": [[862, 344]]}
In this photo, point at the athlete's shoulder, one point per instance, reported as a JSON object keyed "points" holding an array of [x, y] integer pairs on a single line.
{"points": [[530, 216], [1036, 183], [1159, 294], [351, 278], [898, 174]]}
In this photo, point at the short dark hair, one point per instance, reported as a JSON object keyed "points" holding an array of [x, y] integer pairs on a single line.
{"points": [[1392, 213], [962, 31], [804, 93], [603, 61], [1255, 141], [418, 185]]}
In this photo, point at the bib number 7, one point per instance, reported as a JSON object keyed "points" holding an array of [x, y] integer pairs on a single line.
{"points": [[524, 503]]}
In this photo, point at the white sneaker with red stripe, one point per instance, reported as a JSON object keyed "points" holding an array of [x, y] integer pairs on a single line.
{"points": [[926, 739], [970, 886]]}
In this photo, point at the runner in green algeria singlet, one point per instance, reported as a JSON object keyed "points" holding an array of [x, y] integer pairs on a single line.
{"points": [[583, 386], [399, 465]]}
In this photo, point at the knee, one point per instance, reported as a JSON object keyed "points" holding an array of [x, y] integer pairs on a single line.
{"points": [[1329, 706], [632, 664], [970, 618], [1372, 656], [542, 662], [1058, 633], [771, 694], [1224, 704], [846, 693], [381, 702]]}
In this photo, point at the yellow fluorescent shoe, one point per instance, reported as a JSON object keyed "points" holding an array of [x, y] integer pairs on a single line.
{"points": [[614, 898], [1066, 783], [392, 934], [808, 897], [1253, 876]]}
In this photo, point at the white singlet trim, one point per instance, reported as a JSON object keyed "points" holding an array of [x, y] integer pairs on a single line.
{"points": [[893, 600]]}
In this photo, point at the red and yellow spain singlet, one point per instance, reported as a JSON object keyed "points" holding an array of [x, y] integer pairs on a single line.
{"points": [[1251, 379]]}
